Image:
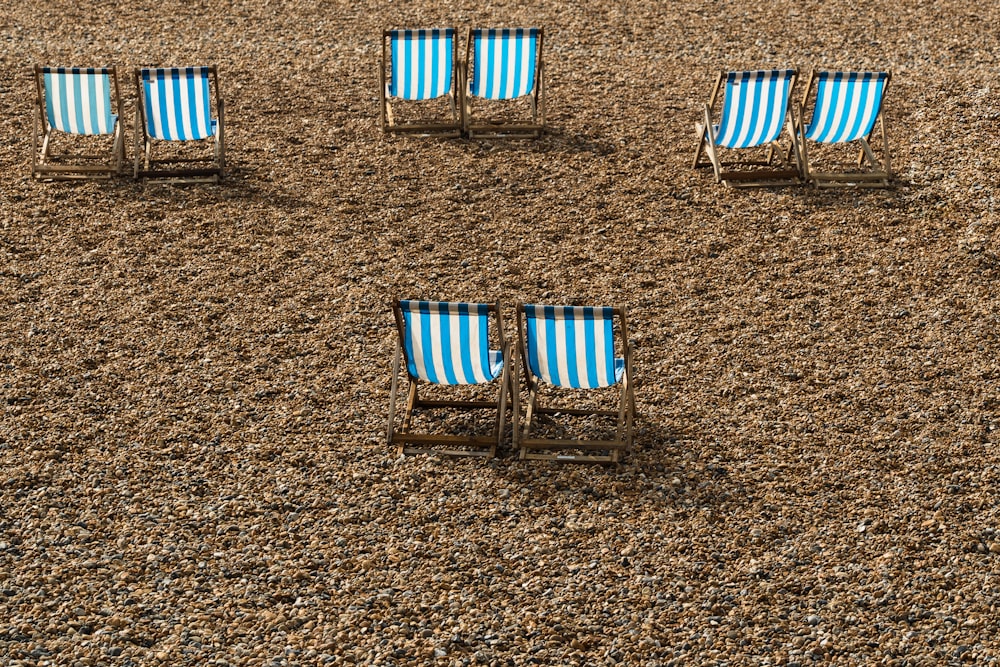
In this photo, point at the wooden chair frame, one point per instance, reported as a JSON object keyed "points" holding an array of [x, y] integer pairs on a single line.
{"points": [[145, 166], [774, 167], [880, 175], [547, 449], [486, 129], [448, 127], [45, 164], [408, 442]]}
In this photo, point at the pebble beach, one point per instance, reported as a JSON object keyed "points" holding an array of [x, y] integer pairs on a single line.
{"points": [[194, 380]]}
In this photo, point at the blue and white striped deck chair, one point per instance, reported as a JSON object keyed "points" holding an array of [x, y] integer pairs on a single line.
{"points": [[505, 64], [80, 101], [420, 65], [448, 344], [846, 109], [755, 111], [573, 347], [176, 105]]}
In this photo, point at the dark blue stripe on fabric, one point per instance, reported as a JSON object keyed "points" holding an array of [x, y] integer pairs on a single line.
{"points": [[435, 65], [427, 344], [96, 121], [465, 343], [193, 103], [552, 354], [845, 88], [507, 55], [78, 108], [569, 326], [443, 349], [590, 343]]}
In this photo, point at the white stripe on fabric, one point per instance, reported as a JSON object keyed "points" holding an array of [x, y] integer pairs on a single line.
{"points": [[562, 349], [104, 117], [602, 350], [55, 93], [436, 353], [71, 103], [477, 342], [415, 334], [84, 104]]}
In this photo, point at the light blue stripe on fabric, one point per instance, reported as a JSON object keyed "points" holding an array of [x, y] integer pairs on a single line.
{"points": [[434, 65], [191, 112], [569, 328], [443, 347], [79, 108], [508, 60], [590, 343], [551, 350], [465, 344], [96, 122], [532, 340], [845, 88], [427, 343], [760, 120]]}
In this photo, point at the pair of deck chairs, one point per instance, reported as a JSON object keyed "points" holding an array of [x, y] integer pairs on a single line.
{"points": [[757, 110], [572, 348], [83, 106], [502, 66]]}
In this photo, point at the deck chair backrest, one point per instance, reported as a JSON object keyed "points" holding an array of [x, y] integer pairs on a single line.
{"points": [[423, 63], [756, 103], [447, 343], [847, 105], [504, 62], [572, 346], [178, 103], [78, 99]]}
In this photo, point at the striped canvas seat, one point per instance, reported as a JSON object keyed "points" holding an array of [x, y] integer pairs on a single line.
{"points": [[420, 64], [846, 109], [504, 64], [755, 107], [448, 344], [80, 101], [573, 347], [176, 105], [755, 111]]}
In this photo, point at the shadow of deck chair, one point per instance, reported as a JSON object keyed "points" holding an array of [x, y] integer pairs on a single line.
{"points": [[419, 66], [175, 105], [80, 101], [504, 64], [448, 344], [755, 110], [573, 347], [846, 109]]}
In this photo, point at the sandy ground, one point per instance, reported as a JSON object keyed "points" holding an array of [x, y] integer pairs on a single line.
{"points": [[194, 380]]}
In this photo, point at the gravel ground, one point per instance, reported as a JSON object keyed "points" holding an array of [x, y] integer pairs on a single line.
{"points": [[194, 380]]}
